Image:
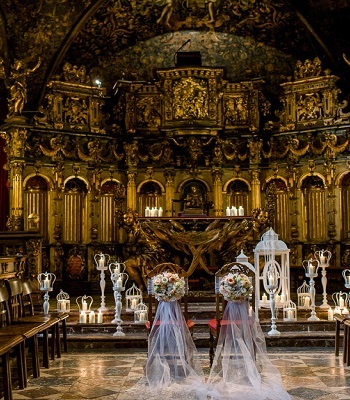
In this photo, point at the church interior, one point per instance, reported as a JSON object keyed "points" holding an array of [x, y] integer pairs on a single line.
{"points": [[198, 133]]}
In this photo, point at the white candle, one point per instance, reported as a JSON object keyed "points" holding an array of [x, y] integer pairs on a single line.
{"points": [[92, 317], [133, 304], [347, 279], [160, 212], [147, 212], [283, 298], [337, 310], [271, 278], [228, 212], [82, 317], [311, 269], [264, 298], [143, 316], [307, 301], [290, 314], [119, 283], [101, 262], [84, 304], [240, 211], [323, 259], [345, 311], [117, 270], [63, 306], [99, 317], [46, 283], [341, 302], [330, 314]]}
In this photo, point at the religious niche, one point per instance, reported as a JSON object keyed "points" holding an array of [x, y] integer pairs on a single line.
{"points": [[73, 103], [194, 199], [187, 99], [311, 99]]}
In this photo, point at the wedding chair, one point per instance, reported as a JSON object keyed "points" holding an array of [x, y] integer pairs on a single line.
{"points": [[220, 303], [172, 354], [153, 303]]}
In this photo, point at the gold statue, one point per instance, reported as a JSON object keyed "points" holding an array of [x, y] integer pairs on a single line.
{"points": [[18, 88], [194, 198]]}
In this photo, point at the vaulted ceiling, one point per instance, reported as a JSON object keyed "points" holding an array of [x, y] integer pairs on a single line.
{"points": [[128, 39]]}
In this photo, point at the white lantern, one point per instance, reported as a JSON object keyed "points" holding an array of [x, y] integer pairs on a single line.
{"points": [[304, 298], [141, 313], [289, 311], [63, 302], [133, 297]]}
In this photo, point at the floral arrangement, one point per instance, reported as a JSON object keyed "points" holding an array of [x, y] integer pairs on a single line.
{"points": [[235, 286], [168, 286]]}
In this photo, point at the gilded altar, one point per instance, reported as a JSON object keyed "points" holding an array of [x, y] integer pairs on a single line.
{"points": [[89, 156]]}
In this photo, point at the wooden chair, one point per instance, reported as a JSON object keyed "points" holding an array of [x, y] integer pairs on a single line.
{"points": [[7, 345], [152, 303], [346, 349], [41, 324], [220, 303], [19, 348]]}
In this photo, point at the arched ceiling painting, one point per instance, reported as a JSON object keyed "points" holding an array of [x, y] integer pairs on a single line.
{"points": [[122, 39]]}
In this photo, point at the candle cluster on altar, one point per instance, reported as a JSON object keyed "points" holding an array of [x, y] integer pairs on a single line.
{"points": [[153, 212], [234, 211]]}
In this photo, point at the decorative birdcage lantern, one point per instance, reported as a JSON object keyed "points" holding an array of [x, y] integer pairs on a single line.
{"points": [[84, 305], [271, 251], [346, 276], [289, 311], [63, 302], [341, 301], [133, 297], [140, 313], [304, 298]]}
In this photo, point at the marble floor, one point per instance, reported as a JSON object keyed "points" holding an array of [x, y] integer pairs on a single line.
{"points": [[104, 374]]}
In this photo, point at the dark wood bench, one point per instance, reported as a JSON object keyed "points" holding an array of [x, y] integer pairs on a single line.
{"points": [[346, 347], [7, 345], [339, 325]]}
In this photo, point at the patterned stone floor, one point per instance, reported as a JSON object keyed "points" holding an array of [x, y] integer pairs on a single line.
{"points": [[307, 373]]}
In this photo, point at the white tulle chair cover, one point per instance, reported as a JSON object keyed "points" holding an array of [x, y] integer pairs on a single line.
{"points": [[241, 368], [173, 369]]}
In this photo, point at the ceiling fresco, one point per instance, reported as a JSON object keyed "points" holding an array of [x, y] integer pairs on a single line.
{"points": [[122, 39]]}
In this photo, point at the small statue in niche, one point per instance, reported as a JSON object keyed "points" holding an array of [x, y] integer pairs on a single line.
{"points": [[194, 198]]}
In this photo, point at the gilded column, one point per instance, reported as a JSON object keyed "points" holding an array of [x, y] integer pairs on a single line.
{"points": [[217, 192], [16, 195], [131, 191], [256, 189], [169, 194]]}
